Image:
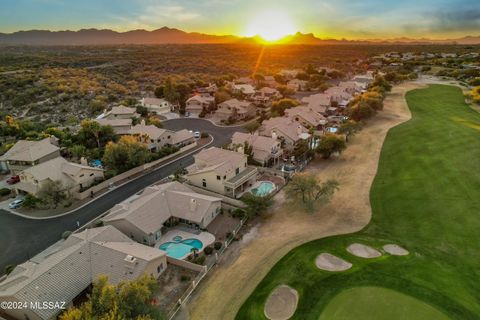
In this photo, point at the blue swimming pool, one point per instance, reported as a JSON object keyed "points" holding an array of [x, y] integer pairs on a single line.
{"points": [[179, 248], [263, 189]]}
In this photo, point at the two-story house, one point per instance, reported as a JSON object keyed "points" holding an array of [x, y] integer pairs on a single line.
{"points": [[222, 171], [266, 150]]}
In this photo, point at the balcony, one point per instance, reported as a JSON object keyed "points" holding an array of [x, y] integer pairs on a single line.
{"points": [[241, 178]]}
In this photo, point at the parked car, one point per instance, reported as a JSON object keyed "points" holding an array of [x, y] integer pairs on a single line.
{"points": [[196, 134], [13, 179], [15, 204]]}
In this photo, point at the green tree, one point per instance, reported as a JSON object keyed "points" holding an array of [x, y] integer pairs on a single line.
{"points": [[281, 105], [256, 205], [129, 300], [307, 191], [329, 144], [169, 92], [360, 111], [127, 153], [91, 130], [52, 193], [78, 151], [159, 91], [350, 127], [252, 126]]}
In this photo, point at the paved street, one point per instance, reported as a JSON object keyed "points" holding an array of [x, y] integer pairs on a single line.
{"points": [[22, 238]]}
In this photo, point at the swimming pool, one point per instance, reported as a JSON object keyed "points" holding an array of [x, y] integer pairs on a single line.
{"points": [[179, 248], [263, 189]]}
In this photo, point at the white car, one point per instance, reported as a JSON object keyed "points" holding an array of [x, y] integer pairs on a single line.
{"points": [[15, 204], [196, 134]]}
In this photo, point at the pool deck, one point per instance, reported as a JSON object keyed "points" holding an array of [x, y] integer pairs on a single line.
{"points": [[205, 237]]}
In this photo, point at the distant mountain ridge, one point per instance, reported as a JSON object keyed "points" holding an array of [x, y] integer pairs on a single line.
{"points": [[167, 35]]}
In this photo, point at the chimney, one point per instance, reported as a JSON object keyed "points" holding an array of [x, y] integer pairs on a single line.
{"points": [[83, 161], [193, 204], [142, 123], [274, 135], [240, 149], [299, 130]]}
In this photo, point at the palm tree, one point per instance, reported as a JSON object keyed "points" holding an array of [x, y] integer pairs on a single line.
{"points": [[194, 251]]}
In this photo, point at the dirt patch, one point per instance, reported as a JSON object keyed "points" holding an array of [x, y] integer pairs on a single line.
{"points": [[329, 262], [395, 250], [222, 294], [281, 303], [363, 251]]}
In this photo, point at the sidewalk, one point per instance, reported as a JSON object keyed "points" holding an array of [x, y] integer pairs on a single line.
{"points": [[59, 212]]}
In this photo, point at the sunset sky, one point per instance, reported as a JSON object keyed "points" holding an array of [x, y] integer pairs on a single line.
{"points": [[366, 19]]}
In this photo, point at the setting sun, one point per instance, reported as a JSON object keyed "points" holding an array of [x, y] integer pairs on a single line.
{"points": [[271, 26]]}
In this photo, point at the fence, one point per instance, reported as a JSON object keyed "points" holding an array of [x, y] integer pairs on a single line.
{"points": [[130, 173], [191, 288]]}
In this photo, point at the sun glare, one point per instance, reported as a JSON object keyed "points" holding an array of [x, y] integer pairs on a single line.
{"points": [[271, 26]]}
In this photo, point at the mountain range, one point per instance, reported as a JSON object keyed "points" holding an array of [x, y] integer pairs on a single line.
{"points": [[167, 35]]}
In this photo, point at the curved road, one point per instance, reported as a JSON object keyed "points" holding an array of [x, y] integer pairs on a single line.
{"points": [[21, 238]]}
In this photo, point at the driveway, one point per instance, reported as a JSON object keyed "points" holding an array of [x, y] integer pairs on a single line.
{"points": [[21, 238]]}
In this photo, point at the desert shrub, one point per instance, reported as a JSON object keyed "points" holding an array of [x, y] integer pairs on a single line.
{"points": [[208, 250], [217, 245], [9, 268], [204, 135], [184, 278], [4, 192], [199, 260], [66, 234]]}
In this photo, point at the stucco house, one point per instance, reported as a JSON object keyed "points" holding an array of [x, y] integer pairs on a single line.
{"points": [[157, 138], [222, 171], [73, 176], [235, 110], [25, 154], [297, 85], [197, 103], [65, 270], [143, 218], [339, 95], [156, 105], [246, 89], [286, 130], [265, 150], [120, 126], [121, 112], [306, 117], [319, 102]]}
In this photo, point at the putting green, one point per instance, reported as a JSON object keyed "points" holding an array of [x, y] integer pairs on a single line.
{"points": [[365, 303]]}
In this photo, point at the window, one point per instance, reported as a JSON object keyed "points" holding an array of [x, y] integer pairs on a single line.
{"points": [[82, 175], [204, 183], [218, 177], [91, 174], [237, 171], [224, 177]]}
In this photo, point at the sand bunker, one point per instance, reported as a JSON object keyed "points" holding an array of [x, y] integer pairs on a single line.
{"points": [[395, 250], [363, 251], [281, 303], [329, 262]]}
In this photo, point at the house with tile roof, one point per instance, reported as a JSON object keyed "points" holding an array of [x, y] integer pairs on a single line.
{"points": [[143, 217], [156, 105], [25, 154], [235, 110], [306, 117], [73, 176], [198, 102], [157, 138], [121, 112], [286, 130], [266, 150], [65, 270], [222, 171], [120, 126]]}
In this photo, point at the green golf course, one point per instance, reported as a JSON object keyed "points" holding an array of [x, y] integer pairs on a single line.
{"points": [[426, 199]]}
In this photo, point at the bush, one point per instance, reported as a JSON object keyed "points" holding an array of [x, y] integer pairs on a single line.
{"points": [[238, 213], [208, 250], [30, 201], [9, 268], [5, 192], [217, 245], [199, 260], [184, 278], [66, 234], [98, 223]]}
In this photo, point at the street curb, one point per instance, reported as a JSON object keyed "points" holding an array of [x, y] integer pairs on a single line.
{"points": [[116, 187]]}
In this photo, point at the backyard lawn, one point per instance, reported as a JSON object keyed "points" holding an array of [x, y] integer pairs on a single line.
{"points": [[425, 198]]}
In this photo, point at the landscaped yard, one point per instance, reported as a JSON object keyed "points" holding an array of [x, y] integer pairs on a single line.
{"points": [[425, 198]]}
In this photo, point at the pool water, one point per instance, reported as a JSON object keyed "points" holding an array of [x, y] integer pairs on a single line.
{"points": [[180, 248], [263, 189]]}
